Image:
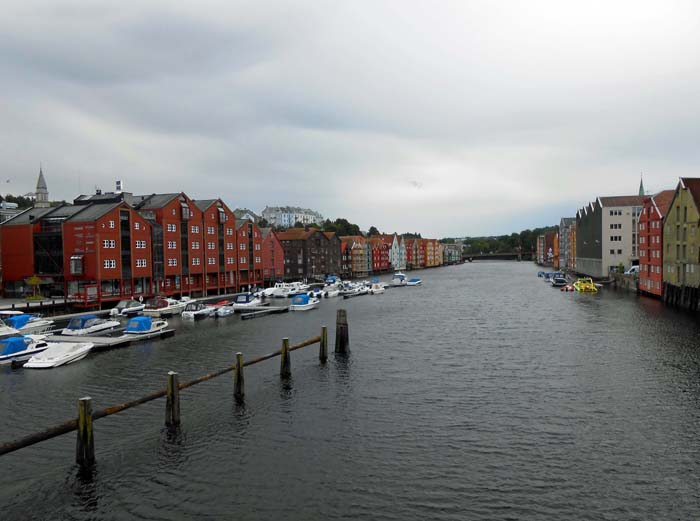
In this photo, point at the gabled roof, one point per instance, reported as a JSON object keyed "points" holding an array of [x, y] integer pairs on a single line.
{"points": [[295, 234], [622, 200], [203, 204], [28, 216], [693, 185], [662, 201], [143, 202], [92, 212]]}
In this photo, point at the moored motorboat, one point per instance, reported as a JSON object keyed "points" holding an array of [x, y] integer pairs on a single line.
{"points": [[197, 311], [165, 307], [414, 282], [59, 353], [18, 348], [127, 308], [26, 324], [245, 300], [303, 303], [87, 324], [399, 279], [144, 326], [585, 285], [225, 311], [559, 282], [376, 289]]}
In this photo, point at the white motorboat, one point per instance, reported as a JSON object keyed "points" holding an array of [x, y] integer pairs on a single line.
{"points": [[87, 324], [353, 290], [165, 307], [59, 353], [197, 311], [414, 282], [18, 348], [245, 300], [127, 308], [331, 291], [298, 288], [27, 324], [399, 279], [144, 326], [376, 289], [279, 290], [303, 303]]}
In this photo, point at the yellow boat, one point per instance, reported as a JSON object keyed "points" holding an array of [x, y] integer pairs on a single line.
{"points": [[585, 285]]}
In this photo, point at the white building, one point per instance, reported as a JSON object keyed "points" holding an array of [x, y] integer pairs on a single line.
{"points": [[288, 216]]}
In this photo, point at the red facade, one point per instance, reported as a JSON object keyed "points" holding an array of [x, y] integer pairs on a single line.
{"points": [[249, 252], [272, 257], [651, 225]]}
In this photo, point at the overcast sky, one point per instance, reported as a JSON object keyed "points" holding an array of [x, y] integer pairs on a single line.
{"points": [[447, 118]]}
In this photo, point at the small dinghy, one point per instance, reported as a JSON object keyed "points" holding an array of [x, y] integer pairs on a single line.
{"points": [[559, 282], [127, 308], [18, 348], [59, 353], [414, 282], [303, 303], [88, 324], [145, 325]]}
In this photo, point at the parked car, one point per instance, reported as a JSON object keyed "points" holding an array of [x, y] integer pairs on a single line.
{"points": [[634, 270]]}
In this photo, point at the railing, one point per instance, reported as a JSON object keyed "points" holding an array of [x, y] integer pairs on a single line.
{"points": [[85, 449]]}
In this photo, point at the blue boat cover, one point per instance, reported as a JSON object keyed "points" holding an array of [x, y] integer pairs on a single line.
{"points": [[375, 280], [18, 321], [414, 280], [139, 324], [300, 300], [11, 345], [79, 322], [243, 299]]}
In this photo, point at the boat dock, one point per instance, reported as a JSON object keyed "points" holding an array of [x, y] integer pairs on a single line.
{"points": [[261, 311], [109, 342]]}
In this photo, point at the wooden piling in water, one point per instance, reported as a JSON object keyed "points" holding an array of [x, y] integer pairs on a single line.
{"points": [[342, 340], [323, 345], [172, 402], [85, 445], [285, 362], [239, 383]]}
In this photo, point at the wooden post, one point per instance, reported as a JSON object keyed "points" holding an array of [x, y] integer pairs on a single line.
{"points": [[172, 402], [342, 338], [85, 446], [323, 345], [239, 383], [285, 363]]}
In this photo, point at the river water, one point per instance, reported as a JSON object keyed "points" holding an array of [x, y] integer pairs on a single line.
{"points": [[483, 394]]}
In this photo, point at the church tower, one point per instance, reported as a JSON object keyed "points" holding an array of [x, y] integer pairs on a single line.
{"points": [[42, 193], [641, 186]]}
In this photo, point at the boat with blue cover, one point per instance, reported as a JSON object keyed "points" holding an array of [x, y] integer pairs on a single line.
{"points": [[18, 348], [414, 282], [399, 279], [303, 303], [145, 325], [245, 300], [26, 324], [87, 324]]}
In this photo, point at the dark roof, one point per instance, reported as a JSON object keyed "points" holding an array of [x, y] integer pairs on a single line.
{"points": [[153, 200], [92, 212], [295, 234], [693, 184], [203, 204], [28, 216], [623, 200], [107, 197], [567, 221], [64, 212]]}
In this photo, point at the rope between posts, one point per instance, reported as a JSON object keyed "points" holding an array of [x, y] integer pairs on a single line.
{"points": [[72, 425]]}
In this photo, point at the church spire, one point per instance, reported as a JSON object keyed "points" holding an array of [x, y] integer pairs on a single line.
{"points": [[42, 192], [641, 185]]}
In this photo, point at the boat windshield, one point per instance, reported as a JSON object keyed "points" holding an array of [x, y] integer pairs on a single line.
{"points": [[123, 304], [194, 306], [157, 303], [75, 323]]}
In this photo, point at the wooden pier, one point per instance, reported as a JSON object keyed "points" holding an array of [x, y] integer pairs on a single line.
{"points": [[261, 311]]}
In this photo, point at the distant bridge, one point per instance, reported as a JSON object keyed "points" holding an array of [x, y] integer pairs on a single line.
{"points": [[512, 256]]}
